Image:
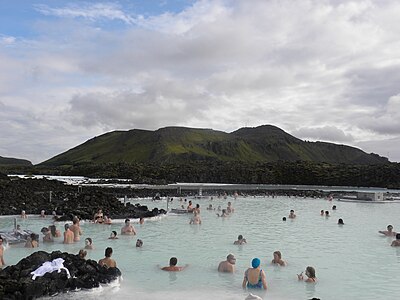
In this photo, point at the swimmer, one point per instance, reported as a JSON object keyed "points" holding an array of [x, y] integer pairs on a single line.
{"points": [[334, 207], [389, 231], [197, 209], [98, 216], [195, 220], [128, 229], [310, 273], [240, 240], [141, 221], [190, 207], [113, 235], [278, 259], [2, 263], [172, 266], [32, 241], [219, 208], [396, 243], [340, 222], [284, 219], [89, 244], [42, 214], [210, 207], [107, 261], [292, 215], [82, 254], [224, 214], [229, 208], [322, 212], [139, 243], [107, 220], [228, 265], [68, 235], [76, 229], [23, 215], [54, 231], [254, 278], [47, 235], [327, 214]]}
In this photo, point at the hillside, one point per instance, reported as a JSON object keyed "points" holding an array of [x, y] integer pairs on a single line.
{"points": [[182, 145], [5, 161]]}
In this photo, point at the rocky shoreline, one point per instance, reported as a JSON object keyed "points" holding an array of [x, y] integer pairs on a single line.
{"points": [[16, 281]]}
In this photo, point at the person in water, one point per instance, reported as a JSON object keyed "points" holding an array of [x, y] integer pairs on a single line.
{"points": [[76, 229], [141, 221], [229, 208], [54, 231], [107, 261], [254, 278], [172, 266], [327, 214], [42, 214], [89, 244], [389, 231], [334, 207], [278, 259], [128, 229], [340, 222], [284, 219], [292, 215], [139, 243], [228, 265], [322, 212], [47, 235], [223, 214], [98, 216], [23, 215], [113, 235], [32, 241], [68, 235], [190, 206], [196, 220], [310, 273], [240, 240], [82, 254], [2, 263], [396, 242]]}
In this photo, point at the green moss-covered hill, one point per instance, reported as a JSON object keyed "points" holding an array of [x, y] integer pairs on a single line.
{"points": [[182, 145], [9, 161]]}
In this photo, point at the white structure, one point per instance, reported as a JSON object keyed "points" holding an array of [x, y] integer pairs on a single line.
{"points": [[370, 196]]}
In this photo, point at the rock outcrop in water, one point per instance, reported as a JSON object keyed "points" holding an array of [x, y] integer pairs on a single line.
{"points": [[16, 281], [33, 195]]}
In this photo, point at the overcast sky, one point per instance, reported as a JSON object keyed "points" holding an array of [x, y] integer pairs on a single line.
{"points": [[320, 70]]}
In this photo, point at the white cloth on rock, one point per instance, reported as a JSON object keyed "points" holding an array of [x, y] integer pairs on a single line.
{"points": [[49, 267]]}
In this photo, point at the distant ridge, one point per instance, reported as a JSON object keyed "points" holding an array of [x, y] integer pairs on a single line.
{"points": [[265, 143], [9, 161]]}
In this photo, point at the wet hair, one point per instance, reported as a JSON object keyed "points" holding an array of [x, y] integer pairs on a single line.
{"points": [[292, 210], [127, 220], [53, 230], [197, 205], [44, 230], [334, 207], [82, 253], [398, 236], [284, 219], [310, 271], [278, 253], [173, 261], [114, 232], [240, 237], [108, 252], [66, 226], [139, 243], [34, 237], [326, 212], [89, 240], [75, 220], [340, 221], [391, 226]]}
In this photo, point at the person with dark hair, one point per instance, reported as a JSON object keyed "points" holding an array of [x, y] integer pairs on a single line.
{"points": [[68, 235], [396, 243], [32, 241], [292, 215], [89, 244], [113, 235], [284, 219], [107, 261], [310, 273], [240, 240], [340, 222], [327, 214], [278, 259], [54, 231], [128, 229], [334, 207], [389, 231], [322, 212], [47, 235], [139, 243], [172, 266], [228, 265], [254, 278], [76, 229], [82, 254]]}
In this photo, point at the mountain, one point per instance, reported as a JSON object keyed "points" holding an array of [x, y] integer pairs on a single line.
{"points": [[14, 161], [265, 143]]}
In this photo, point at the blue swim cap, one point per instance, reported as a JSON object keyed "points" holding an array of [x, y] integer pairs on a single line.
{"points": [[255, 262]]}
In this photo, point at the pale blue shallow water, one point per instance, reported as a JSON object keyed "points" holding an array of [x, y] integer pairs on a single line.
{"points": [[352, 261]]}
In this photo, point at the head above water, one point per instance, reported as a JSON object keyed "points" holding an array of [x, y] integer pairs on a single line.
{"points": [[284, 219], [173, 261], [340, 221], [310, 272], [88, 241], [113, 233], [66, 226], [255, 263], [240, 237], [389, 227], [231, 258], [278, 253], [398, 236], [108, 252], [127, 221], [139, 243]]}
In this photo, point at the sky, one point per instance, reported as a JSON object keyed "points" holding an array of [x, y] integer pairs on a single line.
{"points": [[325, 70]]}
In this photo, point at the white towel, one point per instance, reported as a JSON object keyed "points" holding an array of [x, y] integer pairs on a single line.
{"points": [[50, 266]]}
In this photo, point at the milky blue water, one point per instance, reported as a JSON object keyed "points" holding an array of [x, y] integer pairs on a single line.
{"points": [[352, 261]]}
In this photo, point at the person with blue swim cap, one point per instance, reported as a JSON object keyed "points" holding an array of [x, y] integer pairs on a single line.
{"points": [[254, 278]]}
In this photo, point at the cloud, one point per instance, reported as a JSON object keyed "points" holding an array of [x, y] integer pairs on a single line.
{"points": [[92, 12], [318, 69]]}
